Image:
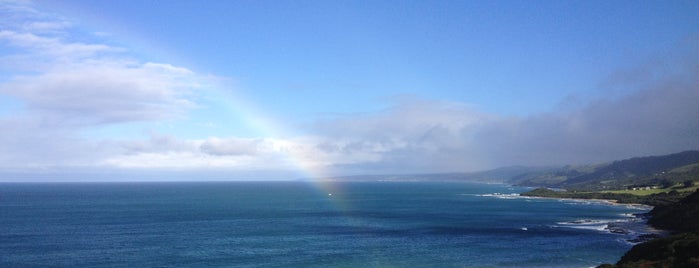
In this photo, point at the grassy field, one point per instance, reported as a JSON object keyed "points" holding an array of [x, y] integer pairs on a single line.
{"points": [[678, 187]]}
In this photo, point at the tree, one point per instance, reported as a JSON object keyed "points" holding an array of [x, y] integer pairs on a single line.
{"points": [[665, 183], [688, 183]]}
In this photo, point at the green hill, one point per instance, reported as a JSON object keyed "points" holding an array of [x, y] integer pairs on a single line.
{"points": [[659, 171]]}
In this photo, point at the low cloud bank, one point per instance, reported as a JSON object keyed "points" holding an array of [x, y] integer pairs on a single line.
{"points": [[424, 136]]}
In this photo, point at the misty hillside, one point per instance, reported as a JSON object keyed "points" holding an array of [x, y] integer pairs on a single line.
{"points": [[633, 172]]}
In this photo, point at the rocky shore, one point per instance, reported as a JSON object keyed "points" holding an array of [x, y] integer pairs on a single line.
{"points": [[678, 249], [672, 239]]}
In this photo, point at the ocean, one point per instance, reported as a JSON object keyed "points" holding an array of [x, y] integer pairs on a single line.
{"points": [[298, 224]]}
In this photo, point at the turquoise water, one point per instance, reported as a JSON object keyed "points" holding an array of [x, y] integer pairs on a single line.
{"points": [[294, 224]]}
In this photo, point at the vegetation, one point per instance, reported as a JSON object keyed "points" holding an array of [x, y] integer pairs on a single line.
{"points": [[678, 188], [681, 250], [682, 216], [657, 199], [666, 182], [653, 171], [678, 250]]}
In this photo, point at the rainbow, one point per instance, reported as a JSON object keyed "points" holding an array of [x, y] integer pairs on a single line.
{"points": [[252, 120], [263, 126], [312, 173]]}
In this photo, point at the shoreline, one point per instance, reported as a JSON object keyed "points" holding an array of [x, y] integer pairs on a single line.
{"points": [[667, 235], [636, 226], [647, 201], [612, 202]]}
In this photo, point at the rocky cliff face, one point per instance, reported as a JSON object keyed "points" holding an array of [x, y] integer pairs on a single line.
{"points": [[678, 250]]}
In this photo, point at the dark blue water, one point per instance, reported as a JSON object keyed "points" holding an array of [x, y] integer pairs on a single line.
{"points": [[294, 224]]}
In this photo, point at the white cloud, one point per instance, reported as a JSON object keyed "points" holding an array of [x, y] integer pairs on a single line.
{"points": [[53, 48], [66, 87], [26, 145], [156, 144], [233, 146], [412, 136], [46, 26], [175, 160], [222, 153], [660, 116], [99, 92], [73, 83]]}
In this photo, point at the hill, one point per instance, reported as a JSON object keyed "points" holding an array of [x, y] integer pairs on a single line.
{"points": [[668, 183], [665, 172], [651, 171]]}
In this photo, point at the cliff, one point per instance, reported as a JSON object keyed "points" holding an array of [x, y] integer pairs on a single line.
{"points": [[678, 250]]}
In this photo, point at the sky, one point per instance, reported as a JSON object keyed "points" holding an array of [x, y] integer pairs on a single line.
{"points": [[237, 90]]}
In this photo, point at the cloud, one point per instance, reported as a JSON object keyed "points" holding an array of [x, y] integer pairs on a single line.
{"points": [[46, 26], [68, 83], [427, 136], [99, 92], [19, 12], [655, 116], [231, 153], [412, 136], [26, 145], [79, 83], [64, 85], [53, 47], [232, 146], [156, 144]]}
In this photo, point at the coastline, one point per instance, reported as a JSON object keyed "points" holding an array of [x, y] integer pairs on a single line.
{"points": [[612, 202], [650, 201], [634, 226], [637, 224], [672, 223]]}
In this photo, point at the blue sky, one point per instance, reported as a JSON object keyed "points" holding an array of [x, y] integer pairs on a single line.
{"points": [[319, 88]]}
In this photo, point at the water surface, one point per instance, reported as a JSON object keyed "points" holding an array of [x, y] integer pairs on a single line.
{"points": [[295, 224]]}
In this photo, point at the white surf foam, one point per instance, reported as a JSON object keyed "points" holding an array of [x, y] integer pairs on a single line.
{"points": [[503, 196]]}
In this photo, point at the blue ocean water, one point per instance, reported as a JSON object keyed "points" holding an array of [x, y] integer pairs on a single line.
{"points": [[295, 224]]}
